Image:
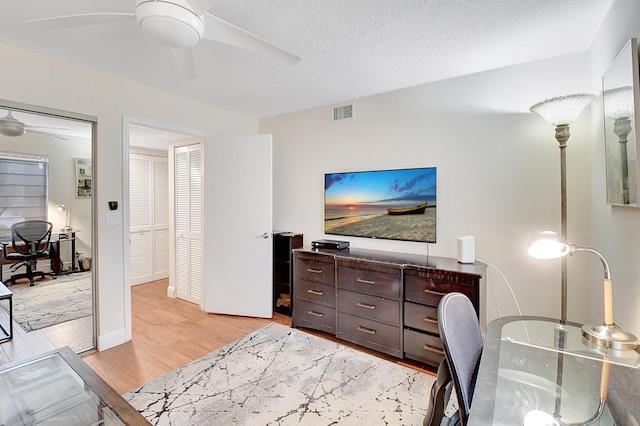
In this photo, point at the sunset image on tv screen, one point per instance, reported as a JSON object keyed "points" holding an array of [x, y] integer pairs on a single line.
{"points": [[388, 204]]}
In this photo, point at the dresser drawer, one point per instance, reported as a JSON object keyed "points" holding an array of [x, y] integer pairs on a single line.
{"points": [[320, 294], [423, 347], [429, 291], [421, 317], [314, 268], [370, 281], [371, 334], [310, 315], [367, 306]]}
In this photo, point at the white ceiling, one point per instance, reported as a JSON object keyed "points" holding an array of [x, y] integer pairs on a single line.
{"points": [[349, 48]]}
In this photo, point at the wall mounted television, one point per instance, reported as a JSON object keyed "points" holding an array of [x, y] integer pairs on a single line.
{"points": [[386, 204]]}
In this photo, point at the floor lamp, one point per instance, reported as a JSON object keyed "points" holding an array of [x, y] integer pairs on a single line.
{"points": [[618, 106], [560, 112]]}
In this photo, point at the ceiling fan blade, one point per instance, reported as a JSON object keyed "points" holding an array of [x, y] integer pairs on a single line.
{"points": [[85, 19], [30, 128], [223, 32], [199, 7], [185, 60], [48, 134]]}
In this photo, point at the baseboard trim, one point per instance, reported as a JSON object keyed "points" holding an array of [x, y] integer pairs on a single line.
{"points": [[112, 339], [171, 292]]}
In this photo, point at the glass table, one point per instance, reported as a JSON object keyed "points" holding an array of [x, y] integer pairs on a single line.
{"points": [[58, 388], [539, 371]]}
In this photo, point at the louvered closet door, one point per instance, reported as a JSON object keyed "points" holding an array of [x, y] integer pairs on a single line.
{"points": [[140, 219], [188, 210], [160, 218], [149, 230]]}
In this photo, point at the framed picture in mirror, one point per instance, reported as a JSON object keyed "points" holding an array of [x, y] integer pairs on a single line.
{"points": [[83, 177], [620, 101]]}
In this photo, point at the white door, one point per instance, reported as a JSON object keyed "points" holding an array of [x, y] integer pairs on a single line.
{"points": [[149, 218], [160, 223], [238, 226], [188, 223], [140, 219]]}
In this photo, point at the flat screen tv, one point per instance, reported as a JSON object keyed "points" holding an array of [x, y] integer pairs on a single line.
{"points": [[388, 204]]}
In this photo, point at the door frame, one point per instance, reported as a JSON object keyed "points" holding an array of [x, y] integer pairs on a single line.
{"points": [[127, 121]]}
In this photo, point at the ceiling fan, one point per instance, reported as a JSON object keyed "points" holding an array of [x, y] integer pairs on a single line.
{"points": [[11, 126], [179, 25]]}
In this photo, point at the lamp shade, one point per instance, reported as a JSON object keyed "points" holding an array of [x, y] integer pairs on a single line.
{"points": [[562, 110], [61, 207], [548, 245], [618, 102]]}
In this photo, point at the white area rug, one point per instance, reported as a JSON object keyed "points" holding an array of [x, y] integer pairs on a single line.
{"points": [[283, 376], [50, 302]]}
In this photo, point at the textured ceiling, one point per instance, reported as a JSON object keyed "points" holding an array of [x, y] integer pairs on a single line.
{"points": [[349, 48]]}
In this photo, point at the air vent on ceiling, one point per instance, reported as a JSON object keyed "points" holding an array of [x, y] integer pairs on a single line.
{"points": [[343, 112]]}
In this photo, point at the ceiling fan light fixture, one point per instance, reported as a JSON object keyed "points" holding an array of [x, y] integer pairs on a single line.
{"points": [[173, 24], [10, 126]]}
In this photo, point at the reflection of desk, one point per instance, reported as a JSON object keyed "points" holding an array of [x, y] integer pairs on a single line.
{"points": [[59, 388], [57, 240], [57, 264], [519, 373]]}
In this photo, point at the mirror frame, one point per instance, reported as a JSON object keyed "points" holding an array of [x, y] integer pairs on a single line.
{"points": [[93, 121], [620, 99]]}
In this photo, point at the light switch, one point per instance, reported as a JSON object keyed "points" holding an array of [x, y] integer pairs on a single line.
{"points": [[113, 219]]}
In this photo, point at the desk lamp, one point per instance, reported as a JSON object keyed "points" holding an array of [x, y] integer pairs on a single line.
{"points": [[551, 245], [63, 208]]}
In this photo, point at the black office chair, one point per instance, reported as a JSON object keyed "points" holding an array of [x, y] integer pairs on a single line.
{"points": [[462, 341], [30, 241], [439, 399]]}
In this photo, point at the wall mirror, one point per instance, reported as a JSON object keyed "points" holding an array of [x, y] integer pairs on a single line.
{"points": [[620, 100], [46, 174]]}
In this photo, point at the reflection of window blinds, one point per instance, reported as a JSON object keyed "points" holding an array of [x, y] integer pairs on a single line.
{"points": [[23, 190]]}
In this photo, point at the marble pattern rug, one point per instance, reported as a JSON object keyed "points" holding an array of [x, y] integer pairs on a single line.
{"points": [[284, 376], [52, 301]]}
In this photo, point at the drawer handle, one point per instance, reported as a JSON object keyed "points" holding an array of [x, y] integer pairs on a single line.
{"points": [[315, 292], [360, 280], [316, 314], [366, 330], [314, 271], [437, 293], [434, 350], [364, 305], [430, 320]]}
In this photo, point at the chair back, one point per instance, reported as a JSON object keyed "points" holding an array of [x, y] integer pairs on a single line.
{"points": [[31, 236], [439, 399], [462, 341]]}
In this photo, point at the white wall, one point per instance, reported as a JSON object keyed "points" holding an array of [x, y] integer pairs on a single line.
{"points": [[498, 174], [61, 154], [615, 230], [39, 80]]}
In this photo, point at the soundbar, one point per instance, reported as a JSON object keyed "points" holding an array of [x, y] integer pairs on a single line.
{"points": [[330, 244]]}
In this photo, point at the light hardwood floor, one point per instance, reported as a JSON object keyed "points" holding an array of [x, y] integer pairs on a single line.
{"points": [[169, 333], [77, 334]]}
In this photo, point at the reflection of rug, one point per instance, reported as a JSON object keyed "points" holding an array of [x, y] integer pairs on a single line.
{"points": [[50, 302], [279, 375]]}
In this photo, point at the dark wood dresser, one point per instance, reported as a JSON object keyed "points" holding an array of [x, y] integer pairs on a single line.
{"points": [[380, 300]]}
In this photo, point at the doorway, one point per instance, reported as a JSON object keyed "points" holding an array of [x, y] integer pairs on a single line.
{"points": [[148, 150]]}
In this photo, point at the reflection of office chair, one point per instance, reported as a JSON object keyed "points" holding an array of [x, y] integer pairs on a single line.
{"points": [[463, 343], [30, 242]]}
